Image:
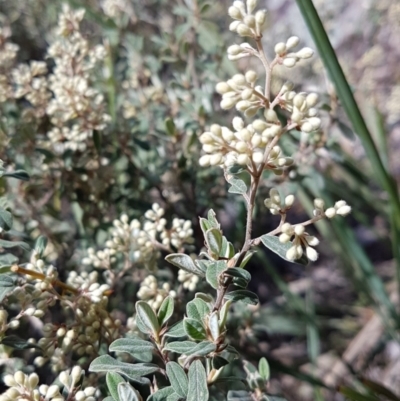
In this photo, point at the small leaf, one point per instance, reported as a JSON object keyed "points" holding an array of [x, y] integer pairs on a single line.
{"points": [[7, 284], [263, 369], [198, 390], [273, 244], [237, 186], [240, 395], [6, 220], [106, 363], [224, 314], [205, 225], [212, 219], [205, 297], [194, 329], [166, 310], [162, 395], [245, 296], [12, 244], [246, 259], [235, 169], [218, 362], [176, 331], [112, 380], [197, 309], [213, 240], [238, 272], [213, 273], [18, 343], [178, 379], [138, 348], [18, 174], [146, 314], [127, 393], [8, 259], [181, 347], [170, 126], [184, 262], [203, 264], [40, 245]]}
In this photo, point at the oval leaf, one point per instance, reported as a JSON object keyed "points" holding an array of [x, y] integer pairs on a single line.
{"points": [[273, 244], [184, 262], [194, 329], [138, 348], [245, 296], [112, 380], [148, 317], [127, 393], [198, 390], [166, 310], [178, 379]]}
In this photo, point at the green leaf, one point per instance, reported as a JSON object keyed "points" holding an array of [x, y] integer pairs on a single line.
{"points": [[18, 174], [40, 245], [246, 259], [205, 297], [18, 343], [219, 362], [166, 310], [240, 395], [245, 296], [127, 393], [176, 331], [273, 244], [8, 259], [184, 262], [162, 395], [112, 380], [213, 273], [224, 314], [170, 126], [237, 186], [198, 390], [6, 220], [197, 309], [138, 348], [12, 244], [212, 219], [205, 225], [237, 272], [134, 372], [194, 329], [178, 379], [7, 284], [213, 240], [181, 347], [147, 316], [235, 169], [263, 369]]}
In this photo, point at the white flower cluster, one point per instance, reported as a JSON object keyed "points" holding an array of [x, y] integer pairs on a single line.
{"points": [[341, 208], [30, 82], [188, 280], [241, 91], [291, 59], [88, 285], [274, 202], [302, 108], [140, 241], [26, 387], [301, 241], [150, 292], [246, 24], [76, 108], [118, 9], [8, 53], [245, 145]]}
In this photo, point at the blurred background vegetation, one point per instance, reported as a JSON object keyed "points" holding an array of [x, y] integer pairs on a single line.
{"points": [[329, 330]]}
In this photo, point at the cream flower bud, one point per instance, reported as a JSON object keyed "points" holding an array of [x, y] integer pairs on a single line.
{"points": [[299, 230], [280, 48], [244, 30], [331, 212], [289, 62], [215, 159], [259, 125], [319, 203], [307, 127], [227, 103], [234, 13], [76, 374], [244, 134], [312, 241], [239, 79], [234, 50], [292, 42], [250, 21], [344, 210], [284, 238], [227, 135], [33, 380], [237, 123], [19, 378], [216, 129], [247, 94], [289, 200], [222, 88], [234, 25], [312, 99], [251, 76], [243, 105], [243, 159], [299, 100], [258, 157], [9, 380], [251, 111], [292, 253], [251, 5], [261, 17], [270, 116], [311, 253], [340, 203], [52, 391], [274, 195], [241, 147], [315, 122], [305, 52], [206, 138], [256, 140]]}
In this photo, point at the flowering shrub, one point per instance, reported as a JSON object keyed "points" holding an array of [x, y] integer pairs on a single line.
{"points": [[176, 343]]}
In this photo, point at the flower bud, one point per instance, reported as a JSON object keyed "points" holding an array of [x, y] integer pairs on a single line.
{"points": [[292, 42], [227, 103], [234, 13], [307, 127], [19, 378], [289, 200], [76, 374], [298, 101], [289, 62], [206, 138], [239, 79], [251, 76], [244, 30], [258, 157], [243, 105], [33, 380], [215, 159], [222, 88], [280, 48], [319, 203], [246, 94], [237, 123], [204, 161], [242, 147], [261, 18], [312, 99], [305, 52], [234, 50], [250, 21], [299, 230], [331, 212], [274, 195], [311, 253], [243, 159], [9, 381], [344, 210], [244, 134], [234, 25], [216, 129], [251, 5], [259, 125], [284, 238]]}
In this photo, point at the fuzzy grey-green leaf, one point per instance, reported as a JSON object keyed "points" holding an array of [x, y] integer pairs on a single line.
{"points": [[273, 244], [7, 284], [213, 272], [127, 393], [138, 348], [198, 390], [213, 240], [178, 379], [197, 309], [237, 186], [184, 262], [245, 296], [194, 329], [148, 317], [166, 310], [112, 380]]}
